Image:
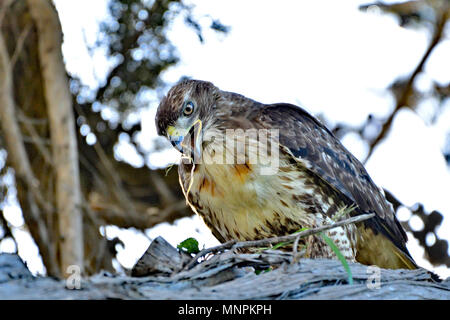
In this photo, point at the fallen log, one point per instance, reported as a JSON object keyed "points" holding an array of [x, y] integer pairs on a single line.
{"points": [[269, 274]]}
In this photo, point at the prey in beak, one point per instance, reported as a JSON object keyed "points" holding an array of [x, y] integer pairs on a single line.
{"points": [[188, 142]]}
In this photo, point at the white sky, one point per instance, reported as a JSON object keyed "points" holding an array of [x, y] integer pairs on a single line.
{"points": [[325, 55]]}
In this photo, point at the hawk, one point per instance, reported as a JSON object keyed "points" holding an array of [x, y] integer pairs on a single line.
{"points": [[315, 176]]}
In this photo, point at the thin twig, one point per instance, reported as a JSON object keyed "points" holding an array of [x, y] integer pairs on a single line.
{"points": [[162, 189], [408, 90], [110, 173], [295, 249], [37, 140], [233, 244], [19, 46], [31, 139], [13, 135], [33, 121]]}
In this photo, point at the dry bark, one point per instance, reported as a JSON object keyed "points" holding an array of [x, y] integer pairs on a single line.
{"points": [[228, 275]]}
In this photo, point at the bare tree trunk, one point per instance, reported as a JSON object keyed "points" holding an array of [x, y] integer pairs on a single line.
{"points": [[63, 135], [105, 199], [19, 159]]}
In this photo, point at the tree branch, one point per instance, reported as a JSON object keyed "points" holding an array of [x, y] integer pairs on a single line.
{"points": [[63, 136], [407, 88], [233, 244], [16, 149]]}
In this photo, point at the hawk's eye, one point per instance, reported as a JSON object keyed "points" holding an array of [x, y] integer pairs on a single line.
{"points": [[188, 108]]}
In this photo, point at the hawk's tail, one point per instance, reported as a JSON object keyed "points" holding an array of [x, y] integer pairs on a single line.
{"points": [[405, 262]]}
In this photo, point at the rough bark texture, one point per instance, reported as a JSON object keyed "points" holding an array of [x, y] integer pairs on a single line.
{"points": [[228, 275]]}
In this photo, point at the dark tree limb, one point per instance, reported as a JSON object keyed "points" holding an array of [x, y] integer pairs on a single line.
{"points": [[404, 89]]}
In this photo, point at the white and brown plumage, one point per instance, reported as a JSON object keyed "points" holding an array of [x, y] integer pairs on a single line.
{"points": [[316, 177]]}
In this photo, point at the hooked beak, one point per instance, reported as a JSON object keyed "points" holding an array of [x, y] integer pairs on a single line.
{"points": [[175, 138], [187, 141]]}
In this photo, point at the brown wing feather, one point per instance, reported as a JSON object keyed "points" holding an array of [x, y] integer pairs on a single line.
{"points": [[324, 155]]}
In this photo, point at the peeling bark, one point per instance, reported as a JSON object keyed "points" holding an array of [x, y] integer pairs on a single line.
{"points": [[229, 276]]}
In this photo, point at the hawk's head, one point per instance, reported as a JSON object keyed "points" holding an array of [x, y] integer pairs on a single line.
{"points": [[185, 108]]}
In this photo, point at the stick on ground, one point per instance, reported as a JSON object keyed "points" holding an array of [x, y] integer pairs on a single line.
{"points": [[233, 244]]}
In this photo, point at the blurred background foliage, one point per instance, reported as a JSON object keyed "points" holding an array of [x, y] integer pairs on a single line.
{"points": [[115, 192]]}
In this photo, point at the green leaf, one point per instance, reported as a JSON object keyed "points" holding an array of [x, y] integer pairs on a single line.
{"points": [[279, 245], [301, 230], [259, 271], [190, 245], [339, 255]]}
